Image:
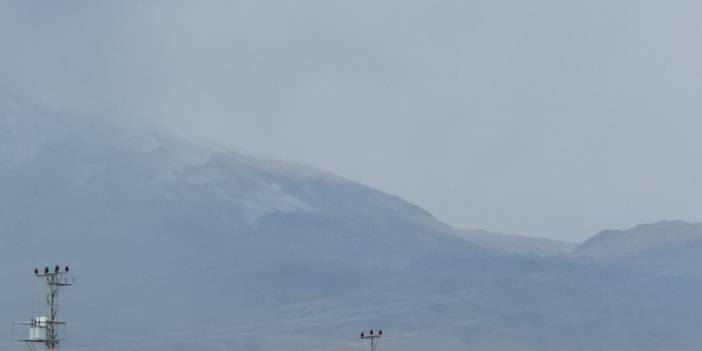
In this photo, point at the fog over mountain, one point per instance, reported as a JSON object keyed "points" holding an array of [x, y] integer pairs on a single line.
{"points": [[492, 114], [184, 246]]}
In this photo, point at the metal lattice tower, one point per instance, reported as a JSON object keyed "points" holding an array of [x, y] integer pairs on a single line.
{"points": [[44, 330], [372, 338]]}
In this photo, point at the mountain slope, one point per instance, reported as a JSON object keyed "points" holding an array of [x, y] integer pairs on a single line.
{"points": [[517, 245], [670, 247]]}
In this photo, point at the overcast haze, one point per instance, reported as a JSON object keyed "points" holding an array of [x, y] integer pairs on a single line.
{"points": [[548, 118]]}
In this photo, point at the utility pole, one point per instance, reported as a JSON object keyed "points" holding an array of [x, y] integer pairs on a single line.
{"points": [[45, 329], [372, 338]]}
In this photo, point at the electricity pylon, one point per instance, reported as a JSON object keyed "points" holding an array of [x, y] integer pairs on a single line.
{"points": [[45, 329], [372, 338]]}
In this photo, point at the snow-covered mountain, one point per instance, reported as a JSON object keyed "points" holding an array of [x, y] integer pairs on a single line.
{"points": [[178, 245], [122, 204]]}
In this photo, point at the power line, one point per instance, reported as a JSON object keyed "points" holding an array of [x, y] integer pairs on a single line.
{"points": [[370, 312], [470, 321], [225, 333]]}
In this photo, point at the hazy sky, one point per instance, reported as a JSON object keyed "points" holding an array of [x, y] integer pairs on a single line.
{"points": [[552, 118]]}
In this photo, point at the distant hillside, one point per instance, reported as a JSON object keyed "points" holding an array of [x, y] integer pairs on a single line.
{"points": [[671, 247]]}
